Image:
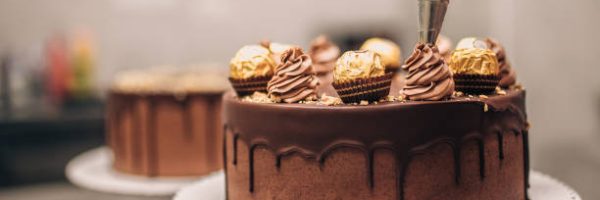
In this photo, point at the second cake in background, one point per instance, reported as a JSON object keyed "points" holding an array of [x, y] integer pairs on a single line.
{"points": [[166, 123]]}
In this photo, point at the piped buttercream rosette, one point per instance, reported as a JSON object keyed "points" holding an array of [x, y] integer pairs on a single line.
{"points": [[294, 78], [428, 77]]}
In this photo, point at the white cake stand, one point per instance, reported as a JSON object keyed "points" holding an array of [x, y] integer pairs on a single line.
{"points": [[543, 187], [93, 170]]}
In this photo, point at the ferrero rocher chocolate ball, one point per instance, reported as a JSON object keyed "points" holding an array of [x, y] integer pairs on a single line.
{"points": [[475, 70], [360, 76], [389, 51], [474, 61], [353, 65], [252, 61]]}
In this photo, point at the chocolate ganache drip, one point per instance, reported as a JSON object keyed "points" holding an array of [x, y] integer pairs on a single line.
{"points": [[323, 54], [507, 74], [428, 75], [294, 78], [322, 130]]}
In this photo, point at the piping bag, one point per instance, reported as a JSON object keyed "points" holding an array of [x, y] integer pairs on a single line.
{"points": [[431, 18]]}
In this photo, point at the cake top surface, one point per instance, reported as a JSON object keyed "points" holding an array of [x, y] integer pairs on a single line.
{"points": [[312, 129], [166, 80], [334, 103]]}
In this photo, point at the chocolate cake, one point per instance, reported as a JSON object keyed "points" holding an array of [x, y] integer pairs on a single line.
{"points": [[438, 146], [166, 123], [428, 143], [464, 148], [429, 138]]}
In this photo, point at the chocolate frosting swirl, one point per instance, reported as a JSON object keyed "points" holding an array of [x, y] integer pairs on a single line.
{"points": [[508, 76], [294, 78], [428, 75], [323, 54]]}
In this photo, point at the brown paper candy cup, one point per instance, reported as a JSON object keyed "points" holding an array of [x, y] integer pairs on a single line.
{"points": [[369, 89], [476, 84], [392, 69], [248, 86]]}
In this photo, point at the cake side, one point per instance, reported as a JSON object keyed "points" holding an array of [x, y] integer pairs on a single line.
{"points": [[388, 151], [164, 134]]}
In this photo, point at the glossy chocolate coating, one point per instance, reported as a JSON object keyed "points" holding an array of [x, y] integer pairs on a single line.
{"points": [[405, 128]]}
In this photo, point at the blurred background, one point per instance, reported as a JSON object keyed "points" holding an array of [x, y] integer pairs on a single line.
{"points": [[57, 58]]}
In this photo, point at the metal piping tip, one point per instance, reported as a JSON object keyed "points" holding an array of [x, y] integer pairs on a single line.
{"points": [[431, 18]]}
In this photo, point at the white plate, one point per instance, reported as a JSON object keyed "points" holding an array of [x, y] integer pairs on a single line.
{"points": [[543, 187], [93, 170]]}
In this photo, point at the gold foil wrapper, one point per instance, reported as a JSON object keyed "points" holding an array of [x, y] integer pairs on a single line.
{"points": [[358, 64], [252, 61], [474, 61], [389, 51]]}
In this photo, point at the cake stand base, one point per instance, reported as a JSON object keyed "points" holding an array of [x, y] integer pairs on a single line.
{"points": [[93, 170], [543, 187]]}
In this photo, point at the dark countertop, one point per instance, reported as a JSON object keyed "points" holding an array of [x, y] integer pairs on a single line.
{"points": [[62, 190], [36, 142]]}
